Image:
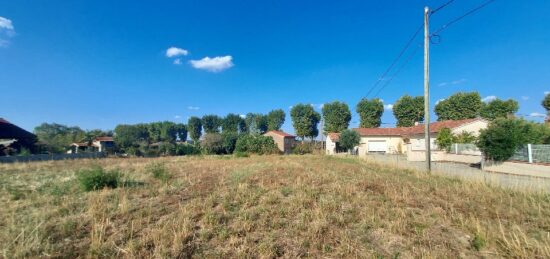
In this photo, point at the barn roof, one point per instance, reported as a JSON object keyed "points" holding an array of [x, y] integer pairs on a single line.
{"points": [[11, 131]]}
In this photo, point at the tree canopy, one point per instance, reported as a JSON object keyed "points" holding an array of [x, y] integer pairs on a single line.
{"points": [[370, 112], [211, 123], [256, 123], [305, 120], [233, 123], [194, 126], [336, 116], [58, 137], [459, 106], [408, 110], [546, 103], [499, 109], [275, 119], [349, 139]]}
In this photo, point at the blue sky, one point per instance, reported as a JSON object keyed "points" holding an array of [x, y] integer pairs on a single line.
{"points": [[97, 64]]}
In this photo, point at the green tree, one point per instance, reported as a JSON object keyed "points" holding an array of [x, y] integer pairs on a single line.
{"points": [[499, 109], [336, 116], [408, 110], [211, 123], [181, 132], [445, 139], [305, 120], [195, 128], [546, 103], [459, 106], [212, 143], [349, 139], [504, 136], [131, 136], [275, 119], [370, 112], [257, 144], [229, 141], [232, 123], [58, 137], [256, 123]]}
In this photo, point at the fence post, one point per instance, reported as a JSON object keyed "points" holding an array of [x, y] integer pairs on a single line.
{"points": [[530, 153], [456, 148]]}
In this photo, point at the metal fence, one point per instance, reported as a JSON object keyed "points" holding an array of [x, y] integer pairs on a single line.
{"points": [[532, 154], [47, 157], [465, 149]]}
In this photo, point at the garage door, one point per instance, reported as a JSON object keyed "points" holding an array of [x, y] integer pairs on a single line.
{"points": [[377, 146]]}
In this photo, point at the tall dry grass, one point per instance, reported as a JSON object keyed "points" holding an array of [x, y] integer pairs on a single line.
{"points": [[263, 206]]}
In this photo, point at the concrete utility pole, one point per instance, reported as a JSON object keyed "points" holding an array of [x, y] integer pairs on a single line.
{"points": [[427, 88]]}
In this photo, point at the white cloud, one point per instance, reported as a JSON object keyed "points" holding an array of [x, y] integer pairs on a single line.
{"points": [[388, 107], [455, 82], [175, 51], [242, 116], [216, 64], [440, 100], [536, 114], [194, 108], [489, 98], [525, 98], [177, 117], [6, 31], [546, 92], [177, 61]]}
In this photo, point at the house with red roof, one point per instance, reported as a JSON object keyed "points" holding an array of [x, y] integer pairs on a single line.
{"points": [[404, 139], [285, 142], [98, 144]]}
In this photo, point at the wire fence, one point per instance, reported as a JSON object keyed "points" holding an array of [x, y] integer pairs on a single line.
{"points": [[465, 149], [532, 154]]}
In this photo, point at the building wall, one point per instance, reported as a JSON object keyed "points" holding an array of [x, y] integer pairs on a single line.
{"points": [[474, 128], [330, 147], [284, 144], [395, 144]]}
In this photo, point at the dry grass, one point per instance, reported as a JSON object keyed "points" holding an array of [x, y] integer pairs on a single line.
{"points": [[269, 206]]}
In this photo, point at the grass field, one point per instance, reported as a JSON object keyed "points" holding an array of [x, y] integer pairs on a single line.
{"points": [[263, 206]]}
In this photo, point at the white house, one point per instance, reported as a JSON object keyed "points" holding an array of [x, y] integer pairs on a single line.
{"points": [[404, 139]]}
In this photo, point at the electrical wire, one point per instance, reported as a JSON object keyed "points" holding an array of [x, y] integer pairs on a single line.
{"points": [[441, 7], [398, 70], [447, 25]]}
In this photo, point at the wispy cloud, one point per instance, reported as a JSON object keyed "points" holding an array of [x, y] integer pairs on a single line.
{"points": [[489, 98], [193, 108], [175, 52], [6, 31], [388, 107], [455, 82], [177, 117], [177, 61], [525, 98], [440, 100], [537, 115], [546, 92], [216, 64]]}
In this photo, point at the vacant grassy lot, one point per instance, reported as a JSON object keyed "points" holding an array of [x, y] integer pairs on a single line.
{"points": [[264, 206]]}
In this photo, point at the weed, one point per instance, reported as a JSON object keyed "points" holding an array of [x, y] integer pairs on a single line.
{"points": [[97, 178], [478, 242], [159, 171]]}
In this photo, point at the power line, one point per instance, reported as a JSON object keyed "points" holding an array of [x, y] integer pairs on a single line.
{"points": [[398, 70], [441, 7], [409, 42], [442, 28]]}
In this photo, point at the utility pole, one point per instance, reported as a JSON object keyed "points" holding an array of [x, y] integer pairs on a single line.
{"points": [[427, 88]]}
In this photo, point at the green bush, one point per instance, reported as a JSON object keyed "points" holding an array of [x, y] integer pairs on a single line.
{"points": [[240, 154], [256, 144], [186, 149], [159, 171], [229, 141], [212, 143], [97, 178], [445, 139], [504, 136], [349, 139], [302, 148]]}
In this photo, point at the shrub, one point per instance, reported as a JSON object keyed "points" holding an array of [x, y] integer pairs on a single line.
{"points": [[303, 148], [185, 149], [349, 139], [445, 139], [504, 136], [256, 144], [159, 171], [478, 242], [97, 178], [229, 141], [212, 143]]}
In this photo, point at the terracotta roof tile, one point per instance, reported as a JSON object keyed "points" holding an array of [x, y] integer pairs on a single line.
{"points": [[334, 136], [281, 133], [414, 130]]}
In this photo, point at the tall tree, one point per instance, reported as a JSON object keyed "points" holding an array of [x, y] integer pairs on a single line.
{"points": [[181, 132], [275, 119], [459, 106], [499, 109], [58, 137], [232, 123], [336, 116], [305, 120], [127, 136], [546, 103], [256, 123], [195, 128], [408, 110], [211, 123], [370, 112]]}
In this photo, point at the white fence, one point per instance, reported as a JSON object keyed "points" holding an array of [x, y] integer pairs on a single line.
{"points": [[532, 153]]}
